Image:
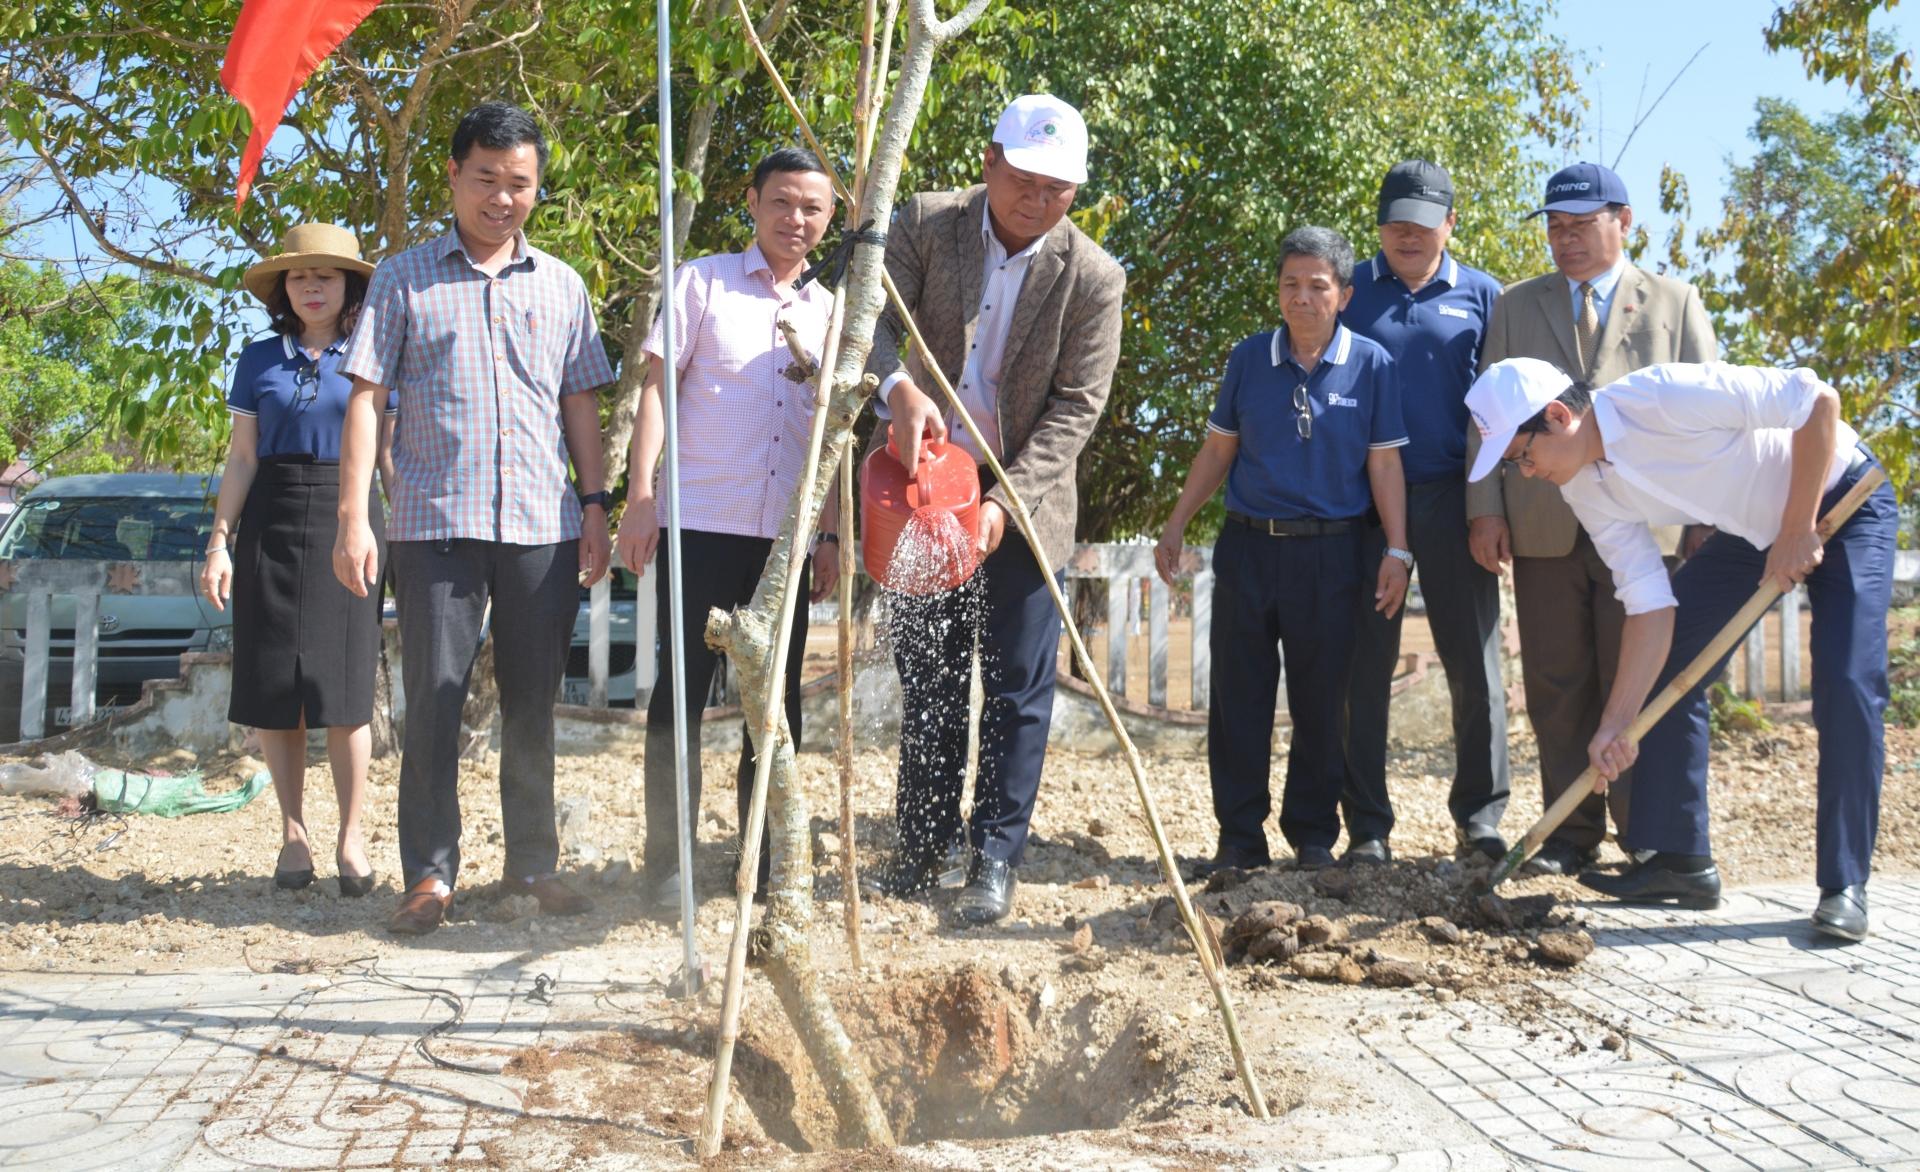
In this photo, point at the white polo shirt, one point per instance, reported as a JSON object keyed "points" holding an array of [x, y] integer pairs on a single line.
{"points": [[1692, 443]]}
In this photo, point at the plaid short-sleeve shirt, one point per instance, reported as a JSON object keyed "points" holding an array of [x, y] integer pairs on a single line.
{"points": [[479, 364]]}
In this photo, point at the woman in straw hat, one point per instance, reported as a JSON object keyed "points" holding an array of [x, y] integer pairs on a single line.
{"points": [[303, 646]]}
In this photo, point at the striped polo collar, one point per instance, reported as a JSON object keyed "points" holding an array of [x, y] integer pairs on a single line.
{"points": [[1336, 353]]}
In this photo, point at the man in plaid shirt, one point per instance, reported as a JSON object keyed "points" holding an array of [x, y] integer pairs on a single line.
{"points": [[492, 348]]}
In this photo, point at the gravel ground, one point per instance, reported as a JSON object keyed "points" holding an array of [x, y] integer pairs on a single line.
{"points": [[1090, 942]]}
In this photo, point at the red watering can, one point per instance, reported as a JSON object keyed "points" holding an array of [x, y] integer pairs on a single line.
{"points": [[933, 512]]}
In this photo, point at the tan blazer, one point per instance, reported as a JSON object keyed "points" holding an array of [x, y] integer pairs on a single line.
{"points": [[1061, 351], [1654, 319]]}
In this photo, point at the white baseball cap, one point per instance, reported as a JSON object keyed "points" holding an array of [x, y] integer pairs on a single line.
{"points": [[1511, 392], [1042, 134]]}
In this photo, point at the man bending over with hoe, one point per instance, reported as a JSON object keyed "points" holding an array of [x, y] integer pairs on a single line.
{"points": [[1761, 454]]}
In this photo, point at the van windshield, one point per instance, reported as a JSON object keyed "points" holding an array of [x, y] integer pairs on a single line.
{"points": [[112, 529]]}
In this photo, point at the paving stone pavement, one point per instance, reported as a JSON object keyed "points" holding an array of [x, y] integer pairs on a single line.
{"points": [[1749, 1044]]}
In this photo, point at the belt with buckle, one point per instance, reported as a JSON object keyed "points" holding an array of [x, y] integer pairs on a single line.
{"points": [[1273, 527]]}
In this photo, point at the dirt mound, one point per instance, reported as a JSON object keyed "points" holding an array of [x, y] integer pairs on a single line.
{"points": [[1405, 924]]}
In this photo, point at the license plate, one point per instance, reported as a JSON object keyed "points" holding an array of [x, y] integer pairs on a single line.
{"points": [[575, 691], [64, 715]]}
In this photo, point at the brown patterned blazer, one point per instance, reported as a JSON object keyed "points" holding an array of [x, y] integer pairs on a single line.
{"points": [[1061, 352]]}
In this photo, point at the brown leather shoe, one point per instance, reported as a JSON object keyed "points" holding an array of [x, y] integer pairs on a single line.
{"points": [[556, 898], [421, 909]]}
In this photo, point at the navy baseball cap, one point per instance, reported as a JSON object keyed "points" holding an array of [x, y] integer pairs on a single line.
{"points": [[1416, 191], [1581, 188]]}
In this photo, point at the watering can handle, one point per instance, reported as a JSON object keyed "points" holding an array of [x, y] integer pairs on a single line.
{"points": [[922, 486]]}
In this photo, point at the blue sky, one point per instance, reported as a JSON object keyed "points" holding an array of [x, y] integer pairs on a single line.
{"points": [[1705, 118]]}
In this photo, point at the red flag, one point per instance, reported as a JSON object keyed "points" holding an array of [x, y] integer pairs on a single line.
{"points": [[276, 46]]}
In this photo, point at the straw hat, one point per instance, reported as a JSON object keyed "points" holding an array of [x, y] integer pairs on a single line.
{"points": [[309, 246]]}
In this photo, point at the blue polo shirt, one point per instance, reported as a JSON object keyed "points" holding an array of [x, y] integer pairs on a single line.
{"points": [[300, 402], [1355, 401], [1434, 336]]}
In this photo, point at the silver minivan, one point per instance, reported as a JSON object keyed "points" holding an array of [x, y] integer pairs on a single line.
{"points": [[116, 517]]}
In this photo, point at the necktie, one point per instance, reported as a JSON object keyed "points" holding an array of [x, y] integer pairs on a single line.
{"points": [[1587, 329]]}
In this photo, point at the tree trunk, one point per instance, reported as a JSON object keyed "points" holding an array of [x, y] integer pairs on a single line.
{"points": [[750, 639]]}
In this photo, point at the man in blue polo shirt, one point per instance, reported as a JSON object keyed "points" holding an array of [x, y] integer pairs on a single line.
{"points": [[1430, 312], [1306, 436]]}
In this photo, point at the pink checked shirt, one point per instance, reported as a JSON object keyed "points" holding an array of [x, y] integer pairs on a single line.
{"points": [[479, 364], [743, 423]]}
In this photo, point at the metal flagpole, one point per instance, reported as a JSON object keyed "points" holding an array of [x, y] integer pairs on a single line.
{"points": [[669, 399]]}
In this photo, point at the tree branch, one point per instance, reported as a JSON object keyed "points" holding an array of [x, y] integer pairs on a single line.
{"points": [[94, 229]]}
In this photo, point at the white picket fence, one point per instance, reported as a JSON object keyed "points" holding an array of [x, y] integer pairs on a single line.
{"points": [[1123, 567]]}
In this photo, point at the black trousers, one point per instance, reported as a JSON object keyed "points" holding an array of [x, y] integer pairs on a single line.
{"points": [[1463, 610], [722, 572], [441, 590], [1018, 635], [1275, 594]]}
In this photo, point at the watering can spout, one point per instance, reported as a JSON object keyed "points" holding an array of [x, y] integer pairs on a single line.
{"points": [[946, 482]]}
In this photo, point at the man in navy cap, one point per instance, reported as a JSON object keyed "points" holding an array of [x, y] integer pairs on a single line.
{"points": [[1430, 312], [1597, 318]]}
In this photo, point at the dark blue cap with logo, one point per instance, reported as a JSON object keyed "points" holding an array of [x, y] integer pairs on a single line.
{"points": [[1418, 192], [1581, 188]]}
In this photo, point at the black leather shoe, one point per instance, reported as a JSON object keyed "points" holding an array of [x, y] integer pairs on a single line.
{"points": [[1368, 852], [1661, 880], [910, 873], [1238, 857], [1485, 841], [1842, 912], [988, 895], [1557, 856], [1312, 858]]}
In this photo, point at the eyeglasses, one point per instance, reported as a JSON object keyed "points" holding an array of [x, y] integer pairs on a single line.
{"points": [[1522, 460], [1303, 422], [306, 383]]}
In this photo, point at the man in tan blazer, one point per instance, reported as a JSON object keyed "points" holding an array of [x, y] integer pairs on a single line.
{"points": [[1022, 310], [1597, 318]]}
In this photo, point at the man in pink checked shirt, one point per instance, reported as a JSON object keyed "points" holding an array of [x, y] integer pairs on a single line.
{"points": [[743, 428]]}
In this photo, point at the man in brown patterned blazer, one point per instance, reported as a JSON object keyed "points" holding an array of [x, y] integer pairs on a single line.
{"points": [[1022, 310], [1597, 318]]}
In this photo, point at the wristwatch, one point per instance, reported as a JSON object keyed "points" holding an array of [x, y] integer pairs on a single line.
{"points": [[821, 539], [603, 498], [1405, 557]]}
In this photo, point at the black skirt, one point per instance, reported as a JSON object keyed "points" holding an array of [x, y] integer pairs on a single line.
{"points": [[304, 647]]}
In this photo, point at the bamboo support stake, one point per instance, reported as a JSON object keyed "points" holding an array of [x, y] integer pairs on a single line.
{"points": [[1735, 630], [849, 853], [1207, 948], [1204, 943], [767, 726]]}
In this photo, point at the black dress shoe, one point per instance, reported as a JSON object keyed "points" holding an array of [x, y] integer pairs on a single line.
{"points": [[355, 886], [1237, 857], [1557, 856], [1684, 880], [988, 895], [1368, 852], [910, 873], [1485, 841], [1312, 858], [1842, 912]]}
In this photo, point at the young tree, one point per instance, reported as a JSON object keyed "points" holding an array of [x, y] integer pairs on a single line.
{"points": [[1812, 260]]}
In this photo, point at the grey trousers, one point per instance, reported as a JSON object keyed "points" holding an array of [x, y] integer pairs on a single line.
{"points": [[1570, 631], [1463, 610], [442, 589]]}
